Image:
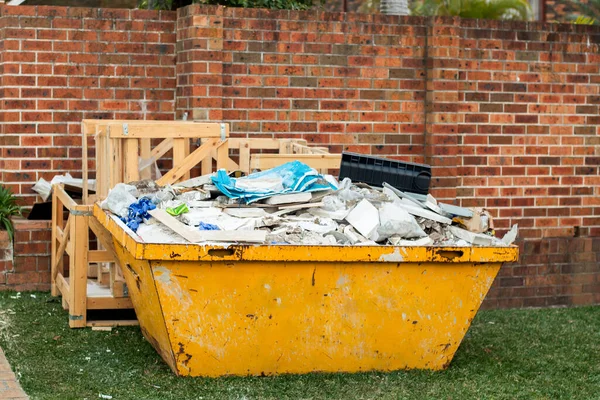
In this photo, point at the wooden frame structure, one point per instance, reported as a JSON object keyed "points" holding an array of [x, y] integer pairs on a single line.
{"points": [[120, 146], [125, 153], [72, 237], [288, 150]]}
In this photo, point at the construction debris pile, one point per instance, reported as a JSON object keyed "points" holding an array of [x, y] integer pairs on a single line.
{"points": [[293, 204]]}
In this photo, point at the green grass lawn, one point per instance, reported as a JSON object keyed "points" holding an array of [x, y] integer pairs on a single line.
{"points": [[516, 354]]}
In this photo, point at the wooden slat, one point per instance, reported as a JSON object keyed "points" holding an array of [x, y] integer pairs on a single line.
{"points": [[145, 150], [95, 256], [222, 155], [113, 323], [181, 149], [78, 271], [196, 236], [188, 163], [175, 129], [59, 233], [244, 149], [84, 162], [161, 149], [58, 256], [206, 165], [102, 166], [285, 146], [62, 286], [317, 161], [130, 158], [64, 198], [108, 303], [57, 220], [100, 151], [255, 143], [104, 237]]}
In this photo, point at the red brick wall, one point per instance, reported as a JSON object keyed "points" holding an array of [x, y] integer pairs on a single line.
{"points": [[30, 267], [507, 113], [60, 65]]}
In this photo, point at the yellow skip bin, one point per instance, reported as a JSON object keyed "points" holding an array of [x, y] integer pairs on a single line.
{"points": [[266, 310]]}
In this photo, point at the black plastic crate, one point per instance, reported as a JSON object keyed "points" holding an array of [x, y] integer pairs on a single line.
{"points": [[408, 177]]}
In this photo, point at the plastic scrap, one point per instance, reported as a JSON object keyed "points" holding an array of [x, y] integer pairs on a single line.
{"points": [[44, 188], [180, 209], [208, 227], [138, 212], [291, 177]]}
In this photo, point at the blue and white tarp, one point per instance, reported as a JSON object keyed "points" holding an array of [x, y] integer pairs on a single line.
{"points": [[291, 177]]}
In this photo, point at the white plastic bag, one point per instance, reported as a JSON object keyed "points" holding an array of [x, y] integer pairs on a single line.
{"points": [[119, 199], [43, 188]]}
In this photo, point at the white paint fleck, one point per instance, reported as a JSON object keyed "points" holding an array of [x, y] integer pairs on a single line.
{"points": [[278, 300], [162, 274], [393, 257], [342, 280], [403, 316], [267, 286]]}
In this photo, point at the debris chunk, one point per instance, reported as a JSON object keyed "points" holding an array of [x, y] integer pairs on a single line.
{"points": [[364, 218]]}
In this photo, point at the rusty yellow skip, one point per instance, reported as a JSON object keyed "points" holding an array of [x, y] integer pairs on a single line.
{"points": [[266, 310]]}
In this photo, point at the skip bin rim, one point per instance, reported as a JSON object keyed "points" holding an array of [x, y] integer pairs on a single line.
{"points": [[266, 253]]}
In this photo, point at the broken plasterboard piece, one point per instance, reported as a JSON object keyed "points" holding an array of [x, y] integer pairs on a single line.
{"points": [[421, 212], [301, 197], [456, 210], [402, 195], [399, 241], [296, 207], [246, 212], [364, 218], [337, 215], [432, 204], [511, 235], [473, 238], [195, 182], [196, 236], [353, 236]]}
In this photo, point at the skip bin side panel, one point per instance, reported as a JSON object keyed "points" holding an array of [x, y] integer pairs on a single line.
{"points": [[257, 318], [142, 291]]}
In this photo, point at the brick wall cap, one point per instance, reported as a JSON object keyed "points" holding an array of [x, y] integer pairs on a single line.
{"points": [[25, 224]]}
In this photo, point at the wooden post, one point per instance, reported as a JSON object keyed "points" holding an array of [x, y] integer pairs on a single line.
{"points": [[222, 155], [245, 156], [78, 263], [131, 157], [145, 152], [181, 149], [84, 162], [57, 221]]}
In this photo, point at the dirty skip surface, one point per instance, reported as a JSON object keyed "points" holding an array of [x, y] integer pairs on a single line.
{"points": [[293, 204]]}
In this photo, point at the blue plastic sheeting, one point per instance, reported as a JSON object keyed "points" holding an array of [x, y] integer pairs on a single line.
{"points": [[138, 212], [208, 227], [291, 177]]}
